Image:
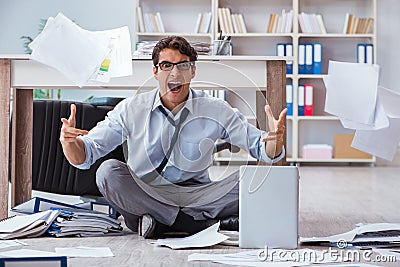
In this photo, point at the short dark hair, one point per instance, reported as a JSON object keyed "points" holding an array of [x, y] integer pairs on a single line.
{"points": [[174, 42]]}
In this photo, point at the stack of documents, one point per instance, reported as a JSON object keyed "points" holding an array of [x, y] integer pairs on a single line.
{"points": [[376, 234], [84, 223], [32, 225]]}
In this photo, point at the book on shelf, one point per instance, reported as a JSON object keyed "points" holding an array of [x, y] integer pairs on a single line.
{"points": [[140, 19], [31, 225], [242, 23], [356, 25], [203, 23], [153, 22], [230, 22], [311, 23], [286, 21]]}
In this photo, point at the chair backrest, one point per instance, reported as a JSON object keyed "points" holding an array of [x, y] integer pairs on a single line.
{"points": [[51, 170]]}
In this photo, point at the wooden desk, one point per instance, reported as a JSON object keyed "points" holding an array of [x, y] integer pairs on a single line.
{"points": [[264, 74]]}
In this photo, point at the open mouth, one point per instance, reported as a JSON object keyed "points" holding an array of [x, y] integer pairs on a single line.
{"points": [[175, 86]]}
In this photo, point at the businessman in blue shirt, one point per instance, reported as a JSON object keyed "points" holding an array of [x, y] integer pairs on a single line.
{"points": [[170, 133]]}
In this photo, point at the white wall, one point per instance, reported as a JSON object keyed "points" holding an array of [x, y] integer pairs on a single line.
{"points": [[21, 17], [389, 42]]}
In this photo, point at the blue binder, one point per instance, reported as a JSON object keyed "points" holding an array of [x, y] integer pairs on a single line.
{"points": [[289, 53], [34, 261], [369, 53], [289, 99], [37, 204], [302, 59], [280, 49], [361, 53], [309, 59], [301, 95], [317, 58]]}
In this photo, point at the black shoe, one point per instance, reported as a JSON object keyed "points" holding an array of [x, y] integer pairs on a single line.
{"points": [[147, 226], [230, 223], [151, 228]]}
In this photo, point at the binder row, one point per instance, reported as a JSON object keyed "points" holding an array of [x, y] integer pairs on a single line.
{"points": [[310, 58], [286, 49], [365, 53], [305, 99]]}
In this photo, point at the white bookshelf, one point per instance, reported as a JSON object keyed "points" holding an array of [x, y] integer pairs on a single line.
{"points": [[179, 18]]}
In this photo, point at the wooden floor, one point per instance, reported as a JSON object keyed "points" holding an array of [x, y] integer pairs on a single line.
{"points": [[332, 200]]}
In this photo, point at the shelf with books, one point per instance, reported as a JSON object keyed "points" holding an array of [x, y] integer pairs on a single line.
{"points": [[193, 19]]}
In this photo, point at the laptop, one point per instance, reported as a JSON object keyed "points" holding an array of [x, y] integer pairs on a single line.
{"points": [[268, 206]]}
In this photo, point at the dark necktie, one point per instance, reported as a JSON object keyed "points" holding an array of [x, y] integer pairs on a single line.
{"points": [[149, 177]]}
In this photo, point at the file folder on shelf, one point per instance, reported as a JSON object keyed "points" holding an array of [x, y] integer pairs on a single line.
{"points": [[289, 99], [301, 100], [317, 58], [289, 53], [360, 53], [286, 49], [280, 49], [34, 261], [369, 53], [309, 59], [302, 59], [308, 102]]}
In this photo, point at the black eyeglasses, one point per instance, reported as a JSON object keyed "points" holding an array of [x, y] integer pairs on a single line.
{"points": [[168, 66]]}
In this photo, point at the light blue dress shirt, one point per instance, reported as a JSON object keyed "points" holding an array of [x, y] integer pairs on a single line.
{"points": [[138, 121]]}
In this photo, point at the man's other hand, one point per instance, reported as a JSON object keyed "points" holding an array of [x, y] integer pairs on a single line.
{"points": [[69, 133], [276, 131]]}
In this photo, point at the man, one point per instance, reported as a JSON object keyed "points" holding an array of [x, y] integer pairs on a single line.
{"points": [[170, 132]]}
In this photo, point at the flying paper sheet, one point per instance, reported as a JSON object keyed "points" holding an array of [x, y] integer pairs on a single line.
{"points": [[352, 94], [383, 142], [350, 86], [81, 54]]}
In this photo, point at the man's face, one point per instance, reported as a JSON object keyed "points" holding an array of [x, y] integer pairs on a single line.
{"points": [[174, 84]]}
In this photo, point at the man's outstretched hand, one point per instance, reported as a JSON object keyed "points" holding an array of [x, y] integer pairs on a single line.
{"points": [[276, 132], [68, 131]]}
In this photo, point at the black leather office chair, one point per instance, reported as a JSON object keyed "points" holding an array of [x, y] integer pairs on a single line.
{"points": [[51, 170]]}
